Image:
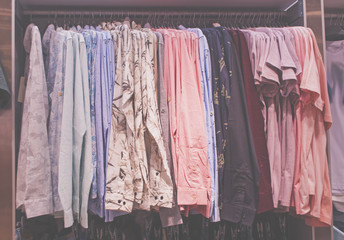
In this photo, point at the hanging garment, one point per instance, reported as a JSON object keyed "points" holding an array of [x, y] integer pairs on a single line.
{"points": [[119, 177], [91, 47], [241, 197], [323, 199], [168, 216], [152, 185], [311, 184], [335, 73], [160, 183], [34, 188], [189, 145], [207, 94], [96, 205], [290, 68], [221, 99], [256, 123], [54, 46], [76, 143]]}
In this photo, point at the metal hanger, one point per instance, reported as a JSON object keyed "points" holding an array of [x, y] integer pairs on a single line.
{"points": [[236, 21], [205, 24], [69, 20], [341, 22], [266, 19], [80, 21], [225, 21], [55, 22], [174, 25], [154, 20], [253, 17], [199, 19]]}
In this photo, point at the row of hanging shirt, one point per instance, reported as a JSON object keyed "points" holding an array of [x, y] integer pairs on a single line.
{"points": [[226, 123]]}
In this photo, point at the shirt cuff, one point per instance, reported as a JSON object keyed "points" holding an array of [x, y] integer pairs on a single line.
{"points": [[237, 214], [118, 202], [189, 196], [68, 218], [38, 207], [170, 216]]}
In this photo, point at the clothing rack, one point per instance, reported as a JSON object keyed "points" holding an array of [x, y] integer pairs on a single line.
{"points": [[162, 17], [155, 12]]}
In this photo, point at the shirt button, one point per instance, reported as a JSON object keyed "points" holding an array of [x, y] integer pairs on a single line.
{"points": [[194, 196], [211, 114], [163, 111], [119, 201]]}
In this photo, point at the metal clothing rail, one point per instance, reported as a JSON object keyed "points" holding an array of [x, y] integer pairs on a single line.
{"points": [[155, 12], [162, 17]]}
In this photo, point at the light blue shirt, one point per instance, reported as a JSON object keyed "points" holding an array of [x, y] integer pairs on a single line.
{"points": [[104, 84], [54, 44], [91, 44], [96, 205], [207, 91], [75, 159], [86, 165], [65, 187]]}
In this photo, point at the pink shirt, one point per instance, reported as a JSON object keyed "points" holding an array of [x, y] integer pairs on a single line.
{"points": [[288, 82], [270, 63], [189, 142], [311, 183], [322, 202], [299, 47]]}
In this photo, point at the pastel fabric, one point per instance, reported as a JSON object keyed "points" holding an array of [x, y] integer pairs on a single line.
{"points": [[207, 94], [34, 186], [168, 216], [91, 46], [54, 46], [312, 185], [76, 141], [335, 73], [193, 182], [139, 177]]}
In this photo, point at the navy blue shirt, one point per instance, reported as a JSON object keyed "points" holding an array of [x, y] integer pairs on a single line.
{"points": [[238, 168]]}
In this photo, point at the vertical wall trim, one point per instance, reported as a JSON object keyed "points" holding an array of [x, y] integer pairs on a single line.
{"points": [[13, 102]]}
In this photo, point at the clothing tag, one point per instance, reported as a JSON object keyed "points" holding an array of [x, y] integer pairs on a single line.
{"points": [[22, 88], [216, 24]]}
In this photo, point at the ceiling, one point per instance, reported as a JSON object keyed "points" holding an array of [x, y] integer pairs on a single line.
{"points": [[276, 4]]}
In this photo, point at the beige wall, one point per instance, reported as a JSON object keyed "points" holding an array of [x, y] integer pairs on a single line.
{"points": [[6, 127]]}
